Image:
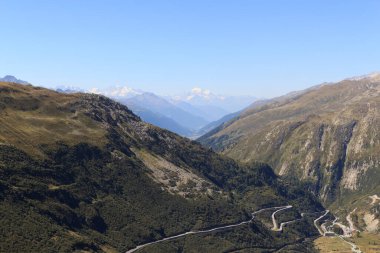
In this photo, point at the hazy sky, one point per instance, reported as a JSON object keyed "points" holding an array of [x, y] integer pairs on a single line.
{"points": [[262, 48]]}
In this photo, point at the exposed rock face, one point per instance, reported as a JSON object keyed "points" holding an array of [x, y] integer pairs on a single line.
{"points": [[328, 136]]}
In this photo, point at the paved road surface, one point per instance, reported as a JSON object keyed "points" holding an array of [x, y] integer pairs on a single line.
{"points": [[208, 230]]}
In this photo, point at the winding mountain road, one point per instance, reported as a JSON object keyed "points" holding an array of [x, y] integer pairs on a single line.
{"points": [[275, 225], [211, 230], [321, 231], [346, 230], [286, 223], [354, 247], [316, 222], [350, 222]]}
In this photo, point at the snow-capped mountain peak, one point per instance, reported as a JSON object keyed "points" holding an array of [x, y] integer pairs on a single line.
{"points": [[198, 93], [117, 91], [68, 89]]}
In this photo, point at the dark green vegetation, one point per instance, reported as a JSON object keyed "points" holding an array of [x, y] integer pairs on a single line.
{"points": [[76, 175], [250, 238]]}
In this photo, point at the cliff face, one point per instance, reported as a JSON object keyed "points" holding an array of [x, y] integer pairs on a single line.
{"points": [[328, 136]]}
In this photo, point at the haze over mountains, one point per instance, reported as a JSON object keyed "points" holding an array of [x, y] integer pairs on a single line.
{"points": [[191, 114], [184, 114]]}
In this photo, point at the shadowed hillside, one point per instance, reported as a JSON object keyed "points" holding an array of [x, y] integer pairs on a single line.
{"points": [[96, 178]]}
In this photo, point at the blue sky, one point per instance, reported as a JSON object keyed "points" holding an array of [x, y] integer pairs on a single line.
{"points": [[263, 48]]}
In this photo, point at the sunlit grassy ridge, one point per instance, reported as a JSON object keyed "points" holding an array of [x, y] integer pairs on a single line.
{"points": [[31, 117]]}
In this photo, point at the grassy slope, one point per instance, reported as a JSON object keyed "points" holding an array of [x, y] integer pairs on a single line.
{"points": [[34, 116], [367, 243], [67, 166], [328, 136]]}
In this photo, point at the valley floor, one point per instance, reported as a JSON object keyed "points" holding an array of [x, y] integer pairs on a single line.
{"points": [[368, 243]]}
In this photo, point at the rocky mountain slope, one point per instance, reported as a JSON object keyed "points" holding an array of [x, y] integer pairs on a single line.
{"points": [[327, 136], [80, 172]]}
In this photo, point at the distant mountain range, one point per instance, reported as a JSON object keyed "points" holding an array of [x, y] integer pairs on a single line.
{"points": [[216, 124], [160, 120], [149, 102], [12, 79], [208, 112], [205, 98], [191, 114], [68, 89], [187, 115]]}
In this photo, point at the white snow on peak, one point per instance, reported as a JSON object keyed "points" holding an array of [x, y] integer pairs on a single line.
{"points": [[200, 93], [117, 91]]}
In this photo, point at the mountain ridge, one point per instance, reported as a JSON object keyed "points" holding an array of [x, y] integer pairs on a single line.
{"points": [[326, 136], [112, 182]]}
